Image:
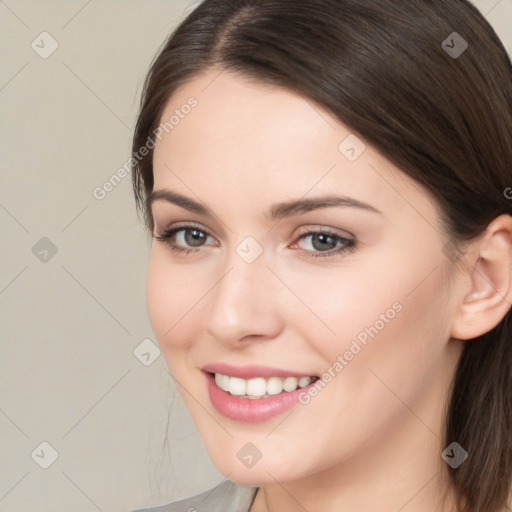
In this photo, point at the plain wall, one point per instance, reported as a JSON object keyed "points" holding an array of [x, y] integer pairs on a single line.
{"points": [[72, 286]]}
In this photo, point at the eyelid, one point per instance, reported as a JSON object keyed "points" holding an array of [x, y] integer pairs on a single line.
{"points": [[183, 225], [319, 228]]}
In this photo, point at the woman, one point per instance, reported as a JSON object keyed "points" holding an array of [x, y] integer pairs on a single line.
{"points": [[327, 187]]}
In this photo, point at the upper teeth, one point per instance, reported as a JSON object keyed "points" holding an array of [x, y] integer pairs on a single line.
{"points": [[259, 386]]}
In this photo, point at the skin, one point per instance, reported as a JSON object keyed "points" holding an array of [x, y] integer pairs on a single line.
{"points": [[372, 438]]}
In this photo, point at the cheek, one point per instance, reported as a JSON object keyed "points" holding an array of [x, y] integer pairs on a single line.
{"points": [[395, 314], [335, 306], [389, 342], [171, 300]]}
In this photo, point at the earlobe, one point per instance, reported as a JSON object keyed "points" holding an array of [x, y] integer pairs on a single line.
{"points": [[490, 296]]}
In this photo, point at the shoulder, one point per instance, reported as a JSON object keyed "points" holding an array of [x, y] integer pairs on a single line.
{"points": [[225, 497]]}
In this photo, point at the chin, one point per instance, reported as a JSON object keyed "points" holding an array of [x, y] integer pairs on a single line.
{"points": [[262, 472]]}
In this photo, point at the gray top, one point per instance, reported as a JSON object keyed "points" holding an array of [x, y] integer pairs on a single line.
{"points": [[225, 497]]}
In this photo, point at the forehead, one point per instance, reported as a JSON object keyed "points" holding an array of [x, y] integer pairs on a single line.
{"points": [[244, 140]]}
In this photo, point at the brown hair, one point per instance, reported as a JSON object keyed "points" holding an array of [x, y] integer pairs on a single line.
{"points": [[385, 69]]}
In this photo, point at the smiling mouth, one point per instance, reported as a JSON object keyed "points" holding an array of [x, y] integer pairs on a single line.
{"points": [[260, 387]]}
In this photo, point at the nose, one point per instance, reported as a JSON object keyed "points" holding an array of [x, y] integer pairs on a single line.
{"points": [[244, 304]]}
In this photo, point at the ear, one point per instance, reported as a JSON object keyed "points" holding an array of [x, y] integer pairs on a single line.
{"points": [[490, 282]]}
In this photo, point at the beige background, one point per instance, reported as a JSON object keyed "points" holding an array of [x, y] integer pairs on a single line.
{"points": [[70, 321]]}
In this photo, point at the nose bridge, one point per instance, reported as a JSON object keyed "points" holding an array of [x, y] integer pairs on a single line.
{"points": [[242, 302], [245, 271]]}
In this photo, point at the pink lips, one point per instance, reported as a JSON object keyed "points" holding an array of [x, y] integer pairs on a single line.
{"points": [[251, 372], [246, 409]]}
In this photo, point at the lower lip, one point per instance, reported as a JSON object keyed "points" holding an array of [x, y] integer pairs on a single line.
{"points": [[251, 410]]}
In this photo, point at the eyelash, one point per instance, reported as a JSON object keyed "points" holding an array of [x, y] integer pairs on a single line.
{"points": [[167, 235]]}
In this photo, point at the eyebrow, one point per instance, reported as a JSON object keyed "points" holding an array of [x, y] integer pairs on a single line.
{"points": [[276, 211]]}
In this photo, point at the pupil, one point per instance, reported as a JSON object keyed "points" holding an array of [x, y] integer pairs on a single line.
{"points": [[326, 242], [194, 237]]}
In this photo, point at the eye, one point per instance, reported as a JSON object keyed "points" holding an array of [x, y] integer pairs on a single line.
{"points": [[325, 243], [184, 239], [193, 237]]}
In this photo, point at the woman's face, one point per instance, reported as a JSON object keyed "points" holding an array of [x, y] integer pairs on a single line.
{"points": [[301, 253]]}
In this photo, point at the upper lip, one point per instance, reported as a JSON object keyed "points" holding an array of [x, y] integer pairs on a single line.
{"points": [[251, 372]]}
